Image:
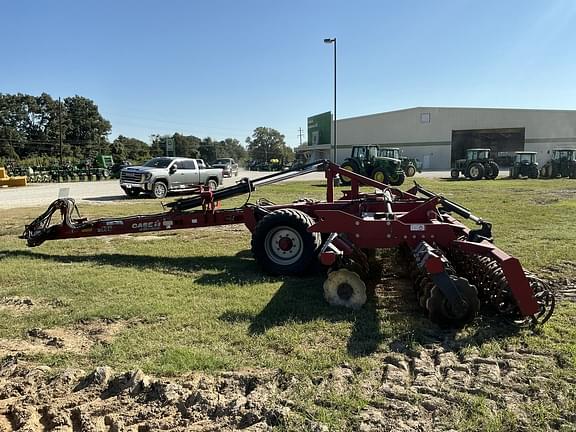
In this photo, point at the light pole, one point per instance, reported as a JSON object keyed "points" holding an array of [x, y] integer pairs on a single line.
{"points": [[333, 42]]}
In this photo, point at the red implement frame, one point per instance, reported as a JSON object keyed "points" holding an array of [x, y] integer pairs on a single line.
{"points": [[385, 218]]}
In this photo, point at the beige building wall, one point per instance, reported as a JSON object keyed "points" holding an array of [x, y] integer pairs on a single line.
{"points": [[426, 132]]}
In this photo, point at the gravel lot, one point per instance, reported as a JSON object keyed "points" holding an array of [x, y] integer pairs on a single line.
{"points": [[42, 194]]}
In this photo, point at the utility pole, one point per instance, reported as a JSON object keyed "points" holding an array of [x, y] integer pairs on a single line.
{"points": [[300, 135], [60, 128]]}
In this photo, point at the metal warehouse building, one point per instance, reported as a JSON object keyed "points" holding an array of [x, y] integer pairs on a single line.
{"points": [[438, 136]]}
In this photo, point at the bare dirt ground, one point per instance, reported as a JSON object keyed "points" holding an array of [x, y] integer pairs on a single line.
{"points": [[412, 390]]}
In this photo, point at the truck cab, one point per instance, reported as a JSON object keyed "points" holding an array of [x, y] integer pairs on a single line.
{"points": [[162, 175]]}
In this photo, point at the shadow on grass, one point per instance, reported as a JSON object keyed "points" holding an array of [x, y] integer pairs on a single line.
{"points": [[235, 269], [297, 300], [412, 328], [109, 198], [301, 300]]}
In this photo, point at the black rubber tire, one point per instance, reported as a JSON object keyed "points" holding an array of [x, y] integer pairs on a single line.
{"points": [[157, 191], [533, 172], [397, 178], [380, 176], [475, 171], [454, 173], [439, 309], [293, 225], [212, 184], [546, 171], [350, 166], [410, 171], [132, 193], [491, 170]]}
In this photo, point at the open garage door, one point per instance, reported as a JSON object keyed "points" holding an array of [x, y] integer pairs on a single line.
{"points": [[502, 142]]}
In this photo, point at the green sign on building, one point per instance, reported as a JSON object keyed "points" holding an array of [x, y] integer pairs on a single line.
{"points": [[320, 129]]}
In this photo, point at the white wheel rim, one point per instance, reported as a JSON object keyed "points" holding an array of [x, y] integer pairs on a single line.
{"points": [[159, 189], [474, 171], [283, 245]]}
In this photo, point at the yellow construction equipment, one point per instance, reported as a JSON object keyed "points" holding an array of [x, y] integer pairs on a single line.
{"points": [[11, 181]]}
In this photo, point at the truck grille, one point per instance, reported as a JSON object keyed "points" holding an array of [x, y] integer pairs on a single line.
{"points": [[130, 177]]}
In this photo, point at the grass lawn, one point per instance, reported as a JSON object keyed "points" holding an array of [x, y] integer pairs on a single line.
{"points": [[195, 300]]}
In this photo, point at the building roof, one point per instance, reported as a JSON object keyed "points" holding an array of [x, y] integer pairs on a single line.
{"points": [[438, 108]]}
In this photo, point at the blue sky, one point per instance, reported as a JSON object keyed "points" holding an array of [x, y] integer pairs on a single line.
{"points": [[221, 68]]}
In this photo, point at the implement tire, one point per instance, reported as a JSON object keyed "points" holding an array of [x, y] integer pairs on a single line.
{"points": [[282, 245]]}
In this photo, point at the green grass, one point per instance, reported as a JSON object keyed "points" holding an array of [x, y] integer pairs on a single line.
{"points": [[202, 304]]}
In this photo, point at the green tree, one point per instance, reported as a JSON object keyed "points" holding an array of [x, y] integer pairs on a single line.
{"points": [[133, 149], [86, 123], [267, 143], [231, 147]]}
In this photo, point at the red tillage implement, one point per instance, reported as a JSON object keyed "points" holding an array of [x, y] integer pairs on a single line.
{"points": [[454, 268]]}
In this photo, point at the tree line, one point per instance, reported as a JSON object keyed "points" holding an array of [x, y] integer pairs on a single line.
{"points": [[31, 128]]}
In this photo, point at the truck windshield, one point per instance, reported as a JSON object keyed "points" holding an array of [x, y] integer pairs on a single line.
{"points": [[222, 161], [158, 163]]}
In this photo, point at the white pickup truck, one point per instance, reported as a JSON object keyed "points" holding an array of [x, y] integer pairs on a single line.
{"points": [[161, 175]]}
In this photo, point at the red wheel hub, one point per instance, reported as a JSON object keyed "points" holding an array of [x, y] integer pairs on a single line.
{"points": [[285, 244]]}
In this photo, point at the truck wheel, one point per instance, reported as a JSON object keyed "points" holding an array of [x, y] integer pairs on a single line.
{"points": [[410, 171], [454, 173], [476, 171], [533, 173], [132, 193], [345, 288], [212, 184], [397, 178], [281, 243], [492, 170], [159, 190]]}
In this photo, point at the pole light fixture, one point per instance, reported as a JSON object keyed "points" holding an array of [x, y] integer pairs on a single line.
{"points": [[333, 42]]}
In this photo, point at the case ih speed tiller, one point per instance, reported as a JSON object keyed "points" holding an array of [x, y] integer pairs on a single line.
{"points": [[454, 268]]}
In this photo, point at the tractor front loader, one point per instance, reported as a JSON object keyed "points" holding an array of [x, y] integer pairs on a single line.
{"points": [[456, 270]]}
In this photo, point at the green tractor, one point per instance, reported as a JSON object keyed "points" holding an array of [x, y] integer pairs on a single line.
{"points": [[409, 166], [476, 166], [562, 164], [524, 165], [365, 160]]}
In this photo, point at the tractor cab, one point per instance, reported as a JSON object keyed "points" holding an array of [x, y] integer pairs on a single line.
{"points": [[564, 154], [525, 158], [562, 164], [393, 153], [525, 165], [477, 154]]}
